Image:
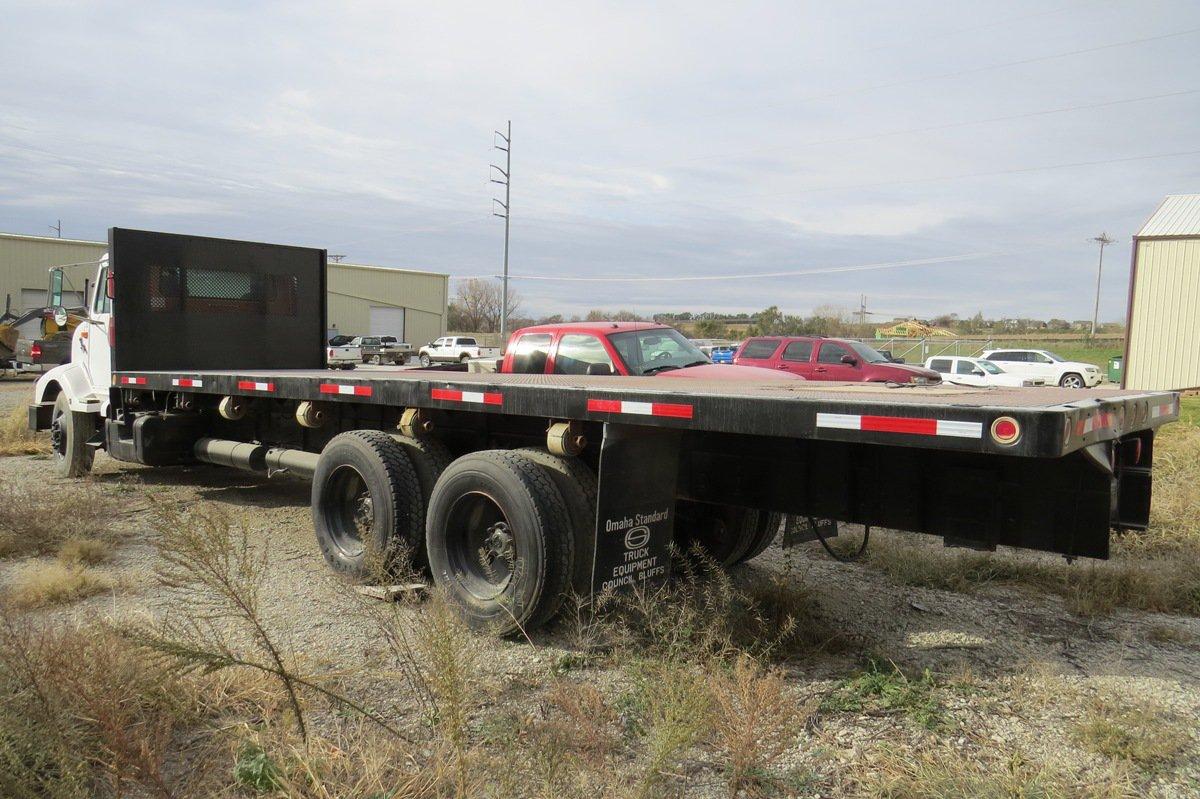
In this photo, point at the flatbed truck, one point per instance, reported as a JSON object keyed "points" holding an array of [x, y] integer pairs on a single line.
{"points": [[513, 490]]}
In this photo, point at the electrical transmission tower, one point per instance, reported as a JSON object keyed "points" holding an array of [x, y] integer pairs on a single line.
{"points": [[507, 150], [1102, 240], [57, 228]]}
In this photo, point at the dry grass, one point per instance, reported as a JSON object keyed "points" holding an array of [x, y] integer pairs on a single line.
{"points": [[1144, 735], [82, 713], [41, 584], [16, 438], [755, 721], [945, 773], [39, 519], [86, 551]]}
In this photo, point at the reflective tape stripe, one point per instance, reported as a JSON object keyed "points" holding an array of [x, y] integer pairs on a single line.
{"points": [[187, 382], [338, 388], [900, 424], [477, 397], [1162, 410], [133, 381], [1097, 422], [252, 385], [667, 409]]}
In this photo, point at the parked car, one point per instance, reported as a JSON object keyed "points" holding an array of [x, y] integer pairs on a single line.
{"points": [[342, 357], [977, 372], [817, 358], [455, 349], [382, 349], [615, 348], [1055, 370], [718, 350], [340, 341]]}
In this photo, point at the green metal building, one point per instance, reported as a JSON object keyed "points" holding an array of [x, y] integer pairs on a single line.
{"points": [[363, 300]]}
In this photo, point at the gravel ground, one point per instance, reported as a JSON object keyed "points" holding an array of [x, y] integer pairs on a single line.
{"points": [[1032, 666]]}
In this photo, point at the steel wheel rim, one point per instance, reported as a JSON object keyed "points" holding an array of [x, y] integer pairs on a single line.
{"points": [[481, 545], [58, 434], [350, 510]]}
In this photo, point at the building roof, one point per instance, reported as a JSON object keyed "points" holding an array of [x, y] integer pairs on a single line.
{"points": [[52, 239], [346, 265], [1177, 215]]}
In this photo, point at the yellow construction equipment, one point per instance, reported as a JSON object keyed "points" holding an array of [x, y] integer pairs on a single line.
{"points": [[912, 329]]}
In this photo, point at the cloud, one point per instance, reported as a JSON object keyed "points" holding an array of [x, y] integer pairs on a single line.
{"points": [[647, 139]]}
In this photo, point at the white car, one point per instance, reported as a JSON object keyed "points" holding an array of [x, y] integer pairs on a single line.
{"points": [[1054, 370], [962, 371]]}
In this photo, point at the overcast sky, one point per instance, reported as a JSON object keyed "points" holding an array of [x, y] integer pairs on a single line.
{"points": [[989, 140]]}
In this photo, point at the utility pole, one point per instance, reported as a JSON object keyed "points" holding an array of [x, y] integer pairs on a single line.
{"points": [[1102, 240], [507, 150], [337, 259], [57, 228], [862, 310]]}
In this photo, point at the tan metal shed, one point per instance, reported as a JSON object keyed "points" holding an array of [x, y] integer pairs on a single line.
{"points": [[1162, 347], [25, 262]]}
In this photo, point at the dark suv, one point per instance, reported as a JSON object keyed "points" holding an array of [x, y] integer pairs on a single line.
{"points": [[816, 358]]}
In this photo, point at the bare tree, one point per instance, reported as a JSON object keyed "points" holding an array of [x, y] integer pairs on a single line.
{"points": [[476, 306]]}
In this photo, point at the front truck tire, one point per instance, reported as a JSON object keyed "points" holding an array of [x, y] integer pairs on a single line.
{"points": [[367, 504], [69, 433], [728, 534], [499, 538]]}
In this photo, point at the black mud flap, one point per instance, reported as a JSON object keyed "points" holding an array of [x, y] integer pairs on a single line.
{"points": [[635, 511]]}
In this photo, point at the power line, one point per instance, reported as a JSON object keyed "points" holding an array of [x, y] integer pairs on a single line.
{"points": [[924, 128], [744, 276], [965, 175]]}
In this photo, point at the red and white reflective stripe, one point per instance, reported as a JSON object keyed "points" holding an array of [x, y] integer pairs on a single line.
{"points": [[132, 381], [187, 382], [254, 385], [339, 388], [640, 408], [900, 424], [478, 397], [1162, 410], [1097, 422]]}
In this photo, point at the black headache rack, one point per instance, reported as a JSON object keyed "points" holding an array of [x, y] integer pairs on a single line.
{"points": [[193, 302], [1046, 469]]}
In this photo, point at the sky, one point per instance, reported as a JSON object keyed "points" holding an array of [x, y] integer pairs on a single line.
{"points": [[965, 153]]}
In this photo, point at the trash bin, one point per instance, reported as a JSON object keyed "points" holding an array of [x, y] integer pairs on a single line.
{"points": [[1115, 364]]}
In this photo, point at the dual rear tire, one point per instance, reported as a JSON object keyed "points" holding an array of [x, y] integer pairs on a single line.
{"points": [[494, 527]]}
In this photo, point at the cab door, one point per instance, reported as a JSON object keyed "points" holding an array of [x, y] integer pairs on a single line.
{"points": [[97, 335]]}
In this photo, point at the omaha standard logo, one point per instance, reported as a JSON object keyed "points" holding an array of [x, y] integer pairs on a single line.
{"points": [[637, 537]]}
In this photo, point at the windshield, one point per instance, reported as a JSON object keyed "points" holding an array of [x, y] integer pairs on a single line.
{"points": [[648, 351], [1053, 357], [868, 354], [990, 367]]}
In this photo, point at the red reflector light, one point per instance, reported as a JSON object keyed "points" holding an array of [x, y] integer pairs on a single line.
{"points": [[35, 351], [1005, 430]]}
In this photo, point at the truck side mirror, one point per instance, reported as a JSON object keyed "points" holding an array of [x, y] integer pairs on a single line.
{"points": [[599, 369], [850, 360], [110, 286], [977, 372]]}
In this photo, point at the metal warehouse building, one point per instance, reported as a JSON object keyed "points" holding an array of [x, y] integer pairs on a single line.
{"points": [[363, 300], [1162, 349]]}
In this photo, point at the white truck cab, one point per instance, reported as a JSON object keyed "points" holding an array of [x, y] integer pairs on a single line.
{"points": [[71, 400]]}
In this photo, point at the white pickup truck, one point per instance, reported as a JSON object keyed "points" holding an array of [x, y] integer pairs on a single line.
{"points": [[455, 349], [343, 356]]}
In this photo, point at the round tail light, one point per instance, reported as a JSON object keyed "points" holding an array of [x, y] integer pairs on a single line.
{"points": [[1006, 430]]}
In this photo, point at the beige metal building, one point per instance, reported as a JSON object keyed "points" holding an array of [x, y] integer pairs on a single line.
{"points": [[24, 268], [1162, 349], [363, 300]]}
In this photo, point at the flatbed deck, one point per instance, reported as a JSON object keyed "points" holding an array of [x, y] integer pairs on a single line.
{"points": [[1053, 421]]}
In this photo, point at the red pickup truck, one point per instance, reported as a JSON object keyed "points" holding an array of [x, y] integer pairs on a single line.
{"points": [[616, 348]]}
